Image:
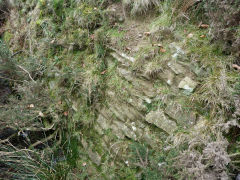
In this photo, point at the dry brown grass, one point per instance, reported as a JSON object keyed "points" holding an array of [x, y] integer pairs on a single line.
{"points": [[139, 6], [182, 6]]}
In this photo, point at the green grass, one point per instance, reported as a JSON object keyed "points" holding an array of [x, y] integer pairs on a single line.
{"points": [[71, 83], [117, 37], [140, 6]]}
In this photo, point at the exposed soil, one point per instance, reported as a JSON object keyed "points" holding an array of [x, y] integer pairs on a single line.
{"points": [[135, 30], [135, 34]]}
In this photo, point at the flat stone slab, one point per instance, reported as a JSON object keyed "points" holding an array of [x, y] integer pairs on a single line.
{"points": [[183, 117], [168, 76], [187, 84], [159, 119], [176, 68], [125, 130], [120, 59], [139, 84]]}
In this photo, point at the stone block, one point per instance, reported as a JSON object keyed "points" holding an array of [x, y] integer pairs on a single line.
{"points": [[159, 119]]}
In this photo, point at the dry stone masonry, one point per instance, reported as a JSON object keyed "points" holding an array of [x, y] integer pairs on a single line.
{"points": [[129, 117]]}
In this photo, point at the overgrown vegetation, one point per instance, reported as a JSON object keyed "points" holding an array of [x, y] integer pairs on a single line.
{"points": [[140, 6], [56, 74]]}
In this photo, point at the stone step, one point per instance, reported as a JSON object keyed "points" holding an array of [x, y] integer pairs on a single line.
{"points": [[120, 59], [120, 56]]}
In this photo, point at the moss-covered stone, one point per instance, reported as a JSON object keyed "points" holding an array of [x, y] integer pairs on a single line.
{"points": [[159, 119]]}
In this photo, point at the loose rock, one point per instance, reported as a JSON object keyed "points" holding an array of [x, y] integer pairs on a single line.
{"points": [[187, 84]]}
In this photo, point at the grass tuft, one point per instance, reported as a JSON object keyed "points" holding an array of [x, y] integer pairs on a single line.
{"points": [[139, 6]]}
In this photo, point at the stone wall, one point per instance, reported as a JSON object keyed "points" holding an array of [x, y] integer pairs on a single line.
{"points": [[145, 113]]}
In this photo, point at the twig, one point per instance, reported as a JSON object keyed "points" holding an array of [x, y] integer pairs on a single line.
{"points": [[235, 66], [38, 129], [236, 162], [10, 79], [146, 158], [4, 153], [7, 139], [142, 162], [235, 154], [43, 140], [3, 11], [16, 53], [27, 73]]}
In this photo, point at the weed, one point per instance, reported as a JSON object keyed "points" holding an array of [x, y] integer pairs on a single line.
{"points": [[215, 91], [165, 18], [22, 164], [139, 6], [59, 80], [86, 16]]}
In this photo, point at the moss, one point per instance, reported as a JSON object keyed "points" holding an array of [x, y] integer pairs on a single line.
{"points": [[119, 86], [86, 16], [43, 2], [7, 37], [100, 40], [79, 77], [79, 38], [117, 37], [154, 105]]}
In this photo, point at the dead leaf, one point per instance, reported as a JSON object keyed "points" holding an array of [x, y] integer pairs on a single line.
{"points": [[158, 45], [41, 114], [31, 106], [147, 33], [84, 164], [65, 113], [103, 72], [235, 66], [203, 36], [162, 50], [204, 26], [128, 49], [190, 35], [92, 37]]}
